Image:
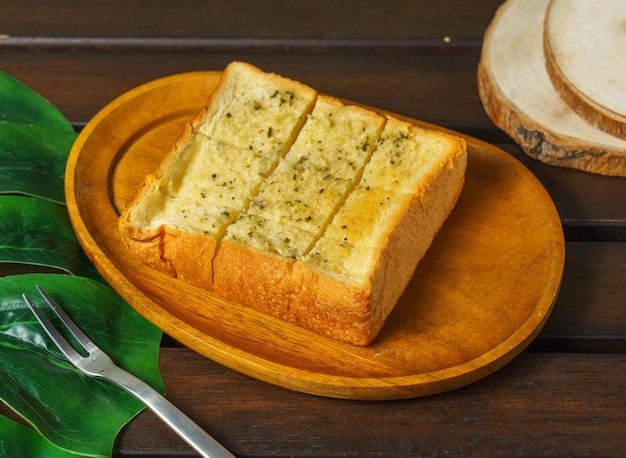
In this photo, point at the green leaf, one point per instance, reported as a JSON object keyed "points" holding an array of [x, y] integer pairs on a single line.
{"points": [[32, 160], [37, 232], [35, 140], [73, 411], [22, 441], [22, 105]]}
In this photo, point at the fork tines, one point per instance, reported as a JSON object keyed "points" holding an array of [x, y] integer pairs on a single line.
{"points": [[66, 348]]}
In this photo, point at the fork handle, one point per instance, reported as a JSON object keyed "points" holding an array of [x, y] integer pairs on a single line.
{"points": [[180, 423]]}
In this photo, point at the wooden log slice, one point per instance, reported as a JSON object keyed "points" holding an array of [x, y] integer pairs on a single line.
{"points": [[519, 97], [585, 49]]}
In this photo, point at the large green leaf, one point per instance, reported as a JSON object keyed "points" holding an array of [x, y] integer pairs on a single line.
{"points": [[35, 140], [32, 160], [72, 411], [37, 232], [20, 104]]}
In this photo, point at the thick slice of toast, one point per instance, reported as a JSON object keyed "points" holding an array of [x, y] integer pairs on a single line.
{"points": [[296, 204]]}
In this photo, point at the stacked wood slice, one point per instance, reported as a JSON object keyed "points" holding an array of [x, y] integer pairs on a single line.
{"points": [[552, 75]]}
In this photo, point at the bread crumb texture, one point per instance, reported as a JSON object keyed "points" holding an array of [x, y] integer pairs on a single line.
{"points": [[296, 204]]}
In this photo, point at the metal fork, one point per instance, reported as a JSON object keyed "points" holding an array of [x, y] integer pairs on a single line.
{"points": [[98, 364]]}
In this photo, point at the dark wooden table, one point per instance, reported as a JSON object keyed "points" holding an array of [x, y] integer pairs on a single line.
{"points": [[564, 395]]}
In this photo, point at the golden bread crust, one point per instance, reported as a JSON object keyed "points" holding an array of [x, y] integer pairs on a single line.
{"points": [[260, 280]]}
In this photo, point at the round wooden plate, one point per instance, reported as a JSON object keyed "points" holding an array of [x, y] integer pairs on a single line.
{"points": [[480, 295]]}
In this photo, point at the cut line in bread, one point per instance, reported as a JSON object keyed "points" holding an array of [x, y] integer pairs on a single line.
{"points": [[296, 204]]}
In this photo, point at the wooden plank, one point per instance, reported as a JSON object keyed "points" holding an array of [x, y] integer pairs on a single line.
{"points": [[400, 19], [81, 83], [591, 206], [589, 314], [540, 404]]}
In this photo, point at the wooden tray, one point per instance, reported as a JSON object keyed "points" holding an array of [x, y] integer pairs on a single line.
{"points": [[480, 295]]}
